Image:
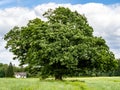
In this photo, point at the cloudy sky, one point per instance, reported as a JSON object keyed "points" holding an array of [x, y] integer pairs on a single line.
{"points": [[102, 15]]}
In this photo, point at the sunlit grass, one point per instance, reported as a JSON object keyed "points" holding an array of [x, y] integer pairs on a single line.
{"points": [[90, 83], [100, 83]]}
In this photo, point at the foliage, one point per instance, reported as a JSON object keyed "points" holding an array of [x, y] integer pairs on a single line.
{"points": [[117, 71], [18, 69], [3, 68], [32, 71], [60, 46], [10, 72]]}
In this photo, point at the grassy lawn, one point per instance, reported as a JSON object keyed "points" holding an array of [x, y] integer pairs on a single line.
{"points": [[90, 83]]}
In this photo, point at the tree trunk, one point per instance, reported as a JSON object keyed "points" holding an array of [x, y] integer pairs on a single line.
{"points": [[58, 77]]}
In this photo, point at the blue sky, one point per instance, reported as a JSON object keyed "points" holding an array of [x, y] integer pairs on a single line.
{"points": [[32, 3]]}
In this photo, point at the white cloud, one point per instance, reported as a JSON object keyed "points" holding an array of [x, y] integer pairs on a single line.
{"points": [[104, 19], [14, 16]]}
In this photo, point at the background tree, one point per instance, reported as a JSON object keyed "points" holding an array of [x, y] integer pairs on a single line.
{"points": [[3, 68], [117, 71], [60, 46], [10, 72]]}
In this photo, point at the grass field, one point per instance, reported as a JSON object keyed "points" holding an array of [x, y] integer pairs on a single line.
{"points": [[90, 83]]}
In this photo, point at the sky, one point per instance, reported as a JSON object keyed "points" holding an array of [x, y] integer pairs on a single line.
{"points": [[102, 15]]}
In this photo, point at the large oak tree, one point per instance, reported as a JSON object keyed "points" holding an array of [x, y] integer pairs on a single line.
{"points": [[62, 45]]}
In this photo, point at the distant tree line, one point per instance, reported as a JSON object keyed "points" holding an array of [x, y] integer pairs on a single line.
{"points": [[8, 70]]}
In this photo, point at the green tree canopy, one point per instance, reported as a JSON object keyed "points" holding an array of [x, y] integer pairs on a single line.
{"points": [[60, 46]]}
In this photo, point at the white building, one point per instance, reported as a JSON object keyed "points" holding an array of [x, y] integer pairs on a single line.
{"points": [[20, 75]]}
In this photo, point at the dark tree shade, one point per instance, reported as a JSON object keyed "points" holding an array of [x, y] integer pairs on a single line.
{"points": [[61, 46], [10, 71]]}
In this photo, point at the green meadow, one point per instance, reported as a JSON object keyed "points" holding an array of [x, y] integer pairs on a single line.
{"points": [[87, 83]]}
